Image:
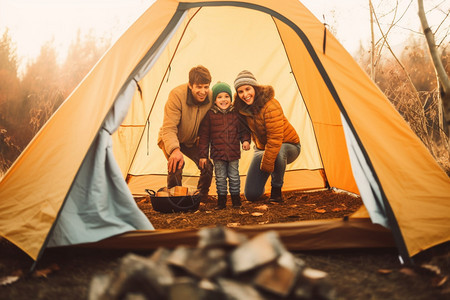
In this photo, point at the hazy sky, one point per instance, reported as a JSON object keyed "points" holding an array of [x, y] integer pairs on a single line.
{"points": [[31, 23]]}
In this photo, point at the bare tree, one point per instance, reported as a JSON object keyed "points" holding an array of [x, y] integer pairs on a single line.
{"points": [[420, 118], [372, 46], [442, 77]]}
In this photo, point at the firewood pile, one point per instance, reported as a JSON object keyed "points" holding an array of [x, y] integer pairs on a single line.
{"points": [[224, 265]]}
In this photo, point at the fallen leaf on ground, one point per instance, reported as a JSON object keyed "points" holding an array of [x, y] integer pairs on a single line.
{"points": [[338, 209], [431, 268], [439, 281], [384, 271], [309, 204], [262, 207], [8, 280], [242, 212], [257, 214], [233, 225], [320, 210], [171, 220], [45, 272], [408, 271], [13, 277]]}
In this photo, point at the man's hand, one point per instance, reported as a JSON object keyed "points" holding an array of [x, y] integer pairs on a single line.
{"points": [[176, 161], [245, 146], [202, 162]]}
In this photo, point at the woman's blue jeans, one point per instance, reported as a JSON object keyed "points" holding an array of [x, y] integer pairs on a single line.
{"points": [[256, 179], [230, 170]]}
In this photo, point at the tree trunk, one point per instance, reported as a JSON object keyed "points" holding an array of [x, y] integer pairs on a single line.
{"points": [[443, 79], [372, 54]]}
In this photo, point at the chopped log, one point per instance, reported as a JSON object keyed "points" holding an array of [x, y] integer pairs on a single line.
{"points": [[200, 262], [220, 237], [240, 291], [314, 284], [279, 277], [225, 265], [137, 275], [185, 288], [261, 249], [160, 255]]}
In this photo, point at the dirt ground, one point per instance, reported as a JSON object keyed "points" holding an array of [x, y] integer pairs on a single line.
{"points": [[297, 206], [65, 273]]}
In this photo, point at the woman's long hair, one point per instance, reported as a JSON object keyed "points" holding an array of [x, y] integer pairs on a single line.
{"points": [[240, 105]]}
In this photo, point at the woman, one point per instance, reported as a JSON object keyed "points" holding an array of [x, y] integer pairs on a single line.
{"points": [[276, 141]]}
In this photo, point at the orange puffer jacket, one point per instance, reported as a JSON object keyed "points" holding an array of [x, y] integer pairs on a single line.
{"points": [[269, 127]]}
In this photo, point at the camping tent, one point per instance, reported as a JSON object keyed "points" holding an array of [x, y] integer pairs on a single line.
{"points": [[69, 186]]}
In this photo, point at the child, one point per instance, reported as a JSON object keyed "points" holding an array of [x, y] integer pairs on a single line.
{"points": [[222, 130]]}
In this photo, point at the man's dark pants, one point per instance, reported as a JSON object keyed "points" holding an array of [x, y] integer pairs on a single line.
{"points": [[175, 178]]}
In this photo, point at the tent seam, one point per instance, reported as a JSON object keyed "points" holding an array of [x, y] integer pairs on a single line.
{"points": [[159, 87]]}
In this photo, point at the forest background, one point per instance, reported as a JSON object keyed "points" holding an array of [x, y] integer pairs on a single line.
{"points": [[405, 74]]}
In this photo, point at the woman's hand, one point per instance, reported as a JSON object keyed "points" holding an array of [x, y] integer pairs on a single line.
{"points": [[245, 146], [202, 162]]}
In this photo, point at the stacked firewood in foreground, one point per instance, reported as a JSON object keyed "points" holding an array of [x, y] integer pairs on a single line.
{"points": [[224, 265]]}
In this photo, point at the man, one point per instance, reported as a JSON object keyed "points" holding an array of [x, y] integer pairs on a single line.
{"points": [[184, 110]]}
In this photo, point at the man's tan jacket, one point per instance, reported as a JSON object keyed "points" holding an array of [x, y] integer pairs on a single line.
{"points": [[182, 117]]}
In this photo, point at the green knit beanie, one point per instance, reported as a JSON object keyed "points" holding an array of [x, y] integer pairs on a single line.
{"points": [[221, 87]]}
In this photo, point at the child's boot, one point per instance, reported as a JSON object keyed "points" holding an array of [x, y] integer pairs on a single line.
{"points": [[236, 200], [221, 202]]}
